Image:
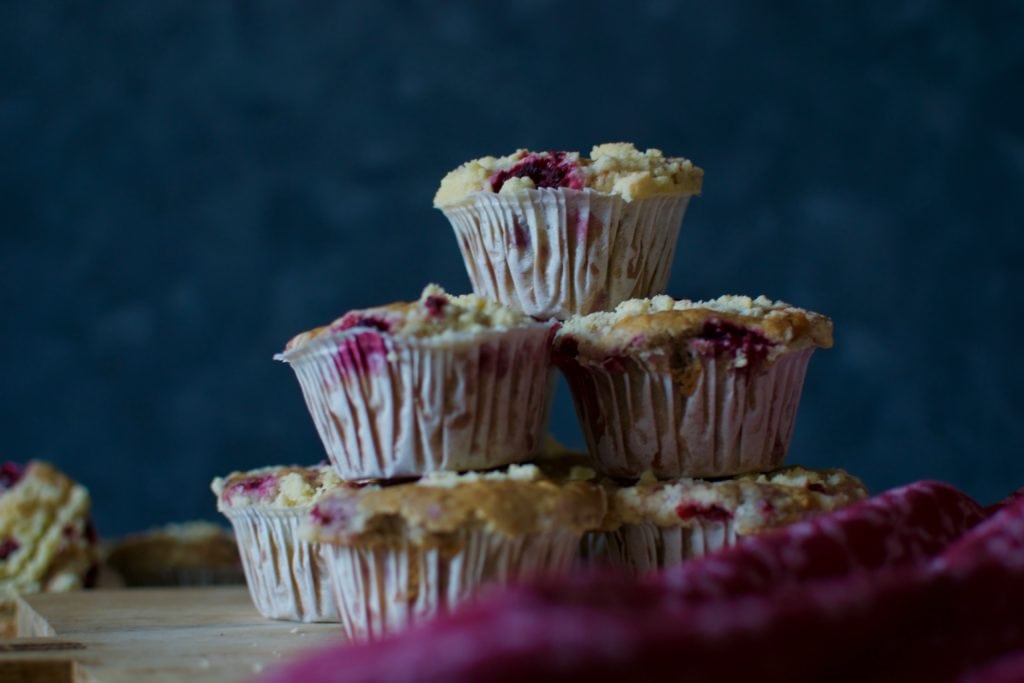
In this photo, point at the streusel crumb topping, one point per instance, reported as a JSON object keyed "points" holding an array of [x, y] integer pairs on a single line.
{"points": [[752, 503], [275, 487], [435, 314], [614, 168], [520, 500], [643, 324]]}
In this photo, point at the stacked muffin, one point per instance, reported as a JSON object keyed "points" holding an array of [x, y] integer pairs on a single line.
{"points": [[432, 412]]}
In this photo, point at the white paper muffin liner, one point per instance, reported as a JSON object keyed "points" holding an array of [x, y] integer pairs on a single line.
{"points": [[287, 577], [736, 420], [383, 590], [646, 547], [389, 407], [560, 252]]}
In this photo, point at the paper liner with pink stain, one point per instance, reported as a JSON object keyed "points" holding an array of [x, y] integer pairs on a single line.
{"points": [[287, 577], [851, 596], [389, 406], [556, 252], [636, 417], [383, 590]]}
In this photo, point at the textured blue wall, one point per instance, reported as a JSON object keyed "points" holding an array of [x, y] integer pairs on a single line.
{"points": [[184, 185]]}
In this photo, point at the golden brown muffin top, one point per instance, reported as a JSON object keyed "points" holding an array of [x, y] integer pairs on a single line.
{"points": [[518, 501], [195, 545], [614, 168], [278, 487], [753, 502], [737, 324], [436, 314]]}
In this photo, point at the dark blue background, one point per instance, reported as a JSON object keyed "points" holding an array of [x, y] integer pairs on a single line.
{"points": [[185, 185]]}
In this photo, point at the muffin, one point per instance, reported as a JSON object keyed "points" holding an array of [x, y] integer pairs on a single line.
{"points": [[189, 554], [445, 383], [286, 575], [555, 234], [689, 388], [400, 554], [47, 539], [652, 525]]}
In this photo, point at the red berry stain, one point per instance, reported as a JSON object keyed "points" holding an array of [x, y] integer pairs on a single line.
{"points": [[766, 507], [361, 353], [8, 547], [10, 474], [435, 305], [566, 349], [320, 516], [547, 170], [357, 319], [723, 337], [710, 513], [520, 236], [614, 363], [260, 486]]}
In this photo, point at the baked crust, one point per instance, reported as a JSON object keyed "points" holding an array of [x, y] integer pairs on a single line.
{"points": [[430, 512], [277, 487], [753, 503], [613, 168], [661, 322], [189, 553], [436, 314]]}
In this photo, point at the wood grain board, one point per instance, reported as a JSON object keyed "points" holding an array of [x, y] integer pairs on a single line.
{"points": [[202, 635]]}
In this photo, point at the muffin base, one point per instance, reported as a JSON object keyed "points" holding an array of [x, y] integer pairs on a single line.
{"points": [[643, 548], [287, 577], [561, 252], [383, 590], [389, 407], [635, 418]]}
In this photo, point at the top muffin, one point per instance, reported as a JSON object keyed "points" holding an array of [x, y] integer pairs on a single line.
{"points": [[613, 168]]}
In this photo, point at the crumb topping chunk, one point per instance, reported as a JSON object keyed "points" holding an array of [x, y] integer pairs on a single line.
{"points": [[614, 168]]}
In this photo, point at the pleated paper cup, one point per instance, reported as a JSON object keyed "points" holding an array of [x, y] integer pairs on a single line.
{"points": [[381, 590], [560, 252], [399, 406], [287, 577], [636, 417], [645, 547]]}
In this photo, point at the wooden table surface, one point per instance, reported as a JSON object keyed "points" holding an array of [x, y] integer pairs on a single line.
{"points": [[149, 635]]}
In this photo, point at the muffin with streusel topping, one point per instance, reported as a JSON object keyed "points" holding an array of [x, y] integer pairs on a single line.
{"points": [[689, 388], [47, 540], [556, 234], [656, 524], [286, 575], [195, 553], [447, 383], [400, 554]]}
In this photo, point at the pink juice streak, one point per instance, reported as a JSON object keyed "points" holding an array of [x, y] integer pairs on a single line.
{"points": [[260, 487]]}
